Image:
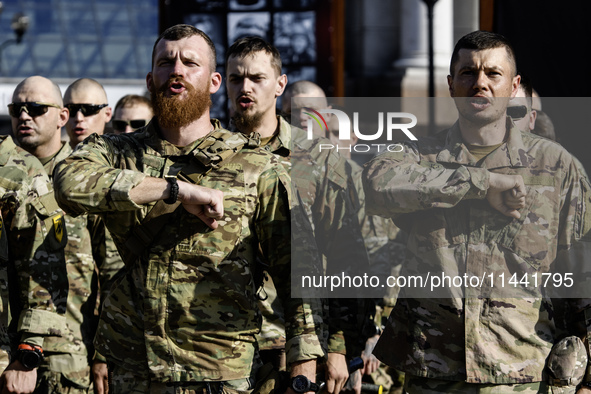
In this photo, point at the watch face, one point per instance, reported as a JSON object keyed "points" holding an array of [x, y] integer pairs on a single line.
{"points": [[300, 384], [30, 359]]}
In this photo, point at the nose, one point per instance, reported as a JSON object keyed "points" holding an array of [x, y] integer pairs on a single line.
{"points": [[480, 81], [24, 115], [78, 116], [178, 69], [246, 86], [128, 129]]}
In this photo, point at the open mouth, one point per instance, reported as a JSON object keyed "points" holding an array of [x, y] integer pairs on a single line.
{"points": [[480, 102], [26, 130], [245, 102], [176, 87]]}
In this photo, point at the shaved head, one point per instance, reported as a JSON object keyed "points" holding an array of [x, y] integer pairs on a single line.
{"points": [[301, 89], [85, 91], [47, 90]]}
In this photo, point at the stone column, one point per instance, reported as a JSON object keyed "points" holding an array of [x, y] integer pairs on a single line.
{"points": [[414, 46]]}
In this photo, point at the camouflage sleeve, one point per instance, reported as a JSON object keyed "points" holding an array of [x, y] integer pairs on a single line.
{"points": [[105, 254], [87, 181], [400, 182], [303, 320], [39, 296], [342, 243]]}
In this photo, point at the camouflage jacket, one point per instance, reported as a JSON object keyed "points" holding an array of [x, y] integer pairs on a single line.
{"points": [[185, 309], [436, 191], [32, 266], [90, 270], [385, 243], [323, 180]]}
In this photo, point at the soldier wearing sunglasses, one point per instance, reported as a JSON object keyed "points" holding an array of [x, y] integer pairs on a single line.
{"points": [[131, 113], [86, 100], [91, 257]]}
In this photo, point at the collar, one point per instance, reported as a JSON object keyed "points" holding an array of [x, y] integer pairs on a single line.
{"points": [[162, 147], [509, 154], [62, 154], [280, 143]]}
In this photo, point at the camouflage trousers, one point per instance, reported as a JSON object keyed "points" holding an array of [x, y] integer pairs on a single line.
{"points": [[122, 381], [420, 385], [64, 374]]}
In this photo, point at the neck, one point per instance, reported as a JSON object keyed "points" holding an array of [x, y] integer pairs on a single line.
{"points": [[268, 125], [486, 135], [46, 150], [185, 135]]}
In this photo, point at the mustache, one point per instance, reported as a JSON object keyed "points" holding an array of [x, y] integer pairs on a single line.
{"points": [[173, 80]]}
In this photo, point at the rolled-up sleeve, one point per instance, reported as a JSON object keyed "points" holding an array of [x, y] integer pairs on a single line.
{"points": [[87, 181]]}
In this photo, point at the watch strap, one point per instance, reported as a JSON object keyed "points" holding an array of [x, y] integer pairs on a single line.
{"points": [[32, 348], [174, 190]]}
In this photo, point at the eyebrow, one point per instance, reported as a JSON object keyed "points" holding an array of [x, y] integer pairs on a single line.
{"points": [[245, 75]]}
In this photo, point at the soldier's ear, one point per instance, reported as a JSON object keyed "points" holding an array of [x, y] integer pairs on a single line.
{"points": [[450, 82], [281, 84], [515, 82], [108, 114], [216, 82], [149, 82], [64, 115]]}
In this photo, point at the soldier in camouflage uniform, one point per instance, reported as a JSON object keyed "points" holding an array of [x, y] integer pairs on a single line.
{"points": [[32, 266], [67, 365], [188, 205], [254, 81], [385, 243], [480, 196]]}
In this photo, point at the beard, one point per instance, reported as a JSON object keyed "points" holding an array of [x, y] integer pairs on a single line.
{"points": [[247, 123], [175, 112]]}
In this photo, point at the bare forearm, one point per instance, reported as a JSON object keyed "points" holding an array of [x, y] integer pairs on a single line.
{"points": [[150, 190]]}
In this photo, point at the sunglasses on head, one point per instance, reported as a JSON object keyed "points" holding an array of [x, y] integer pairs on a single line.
{"points": [[517, 112], [33, 108], [120, 125], [86, 109]]}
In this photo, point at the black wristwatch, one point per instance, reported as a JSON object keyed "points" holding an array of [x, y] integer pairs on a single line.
{"points": [[301, 384], [174, 190], [29, 355]]}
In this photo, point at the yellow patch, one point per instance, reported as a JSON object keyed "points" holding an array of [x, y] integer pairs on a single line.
{"points": [[58, 227]]}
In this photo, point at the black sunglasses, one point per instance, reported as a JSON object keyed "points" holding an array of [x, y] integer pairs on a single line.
{"points": [[33, 108], [517, 112], [86, 109], [120, 125]]}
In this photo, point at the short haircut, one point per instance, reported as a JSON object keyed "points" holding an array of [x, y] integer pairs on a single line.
{"points": [[178, 32], [131, 100], [304, 87], [480, 40], [298, 88], [84, 84], [251, 45], [525, 84]]}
